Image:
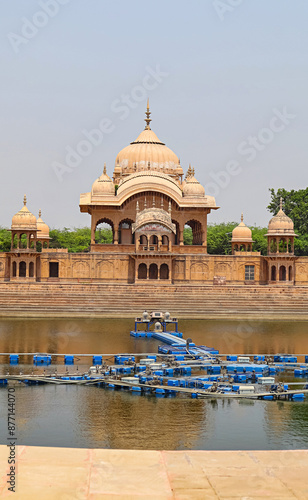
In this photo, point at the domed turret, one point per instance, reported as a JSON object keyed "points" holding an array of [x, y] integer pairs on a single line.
{"points": [[241, 232], [192, 187], [280, 234], [24, 219], [103, 185], [42, 229], [281, 223], [241, 237]]}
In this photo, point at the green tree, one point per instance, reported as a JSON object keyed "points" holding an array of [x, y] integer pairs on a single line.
{"points": [[187, 236], [295, 206], [104, 236], [5, 240], [219, 238], [259, 239]]}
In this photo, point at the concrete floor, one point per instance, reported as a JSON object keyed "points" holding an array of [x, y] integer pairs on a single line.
{"points": [[79, 474]]}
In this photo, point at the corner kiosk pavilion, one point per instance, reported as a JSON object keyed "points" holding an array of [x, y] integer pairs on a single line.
{"points": [[147, 203]]}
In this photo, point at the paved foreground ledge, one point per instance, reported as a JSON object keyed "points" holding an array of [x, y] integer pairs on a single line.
{"points": [[79, 474]]}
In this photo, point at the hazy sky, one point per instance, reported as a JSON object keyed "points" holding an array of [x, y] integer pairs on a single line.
{"points": [[227, 82]]}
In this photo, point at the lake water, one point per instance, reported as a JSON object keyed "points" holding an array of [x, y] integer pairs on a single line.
{"points": [[93, 417]]}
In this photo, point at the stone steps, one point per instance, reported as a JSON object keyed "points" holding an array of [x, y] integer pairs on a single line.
{"points": [[191, 301]]}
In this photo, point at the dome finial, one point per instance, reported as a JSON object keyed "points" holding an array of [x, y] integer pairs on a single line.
{"points": [[148, 114], [105, 169], [242, 217], [40, 212], [25, 200], [280, 203]]}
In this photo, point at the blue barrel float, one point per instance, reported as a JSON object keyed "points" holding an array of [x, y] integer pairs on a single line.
{"points": [[42, 359], [97, 360], [68, 359], [14, 359]]}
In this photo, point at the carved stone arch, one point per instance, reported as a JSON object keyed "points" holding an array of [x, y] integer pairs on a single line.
{"points": [[199, 271], [105, 220], [126, 236], [81, 269], [222, 269], [105, 269], [197, 228]]}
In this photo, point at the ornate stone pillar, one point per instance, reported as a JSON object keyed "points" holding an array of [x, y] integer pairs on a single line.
{"points": [[116, 234], [181, 237], [93, 227]]}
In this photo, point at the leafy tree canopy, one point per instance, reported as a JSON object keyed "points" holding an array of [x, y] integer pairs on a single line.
{"points": [[295, 206]]}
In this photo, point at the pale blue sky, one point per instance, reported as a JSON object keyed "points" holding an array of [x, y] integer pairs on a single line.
{"points": [[228, 78]]}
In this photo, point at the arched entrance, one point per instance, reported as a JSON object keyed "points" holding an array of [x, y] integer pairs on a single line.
{"points": [[14, 269], [31, 270], [104, 232], [164, 272], [153, 272], [142, 272], [273, 273], [22, 269], [282, 273], [125, 232], [194, 227]]}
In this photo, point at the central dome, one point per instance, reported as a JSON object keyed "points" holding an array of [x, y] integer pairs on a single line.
{"points": [[147, 152]]}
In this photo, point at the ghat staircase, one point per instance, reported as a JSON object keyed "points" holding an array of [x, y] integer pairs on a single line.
{"points": [[183, 301]]}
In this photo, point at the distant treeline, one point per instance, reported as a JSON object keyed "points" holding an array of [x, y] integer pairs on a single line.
{"points": [[218, 239], [295, 205]]}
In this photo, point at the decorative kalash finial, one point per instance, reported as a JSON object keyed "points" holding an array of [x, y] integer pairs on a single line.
{"points": [[280, 203], [40, 212], [25, 200], [242, 217], [105, 169], [148, 119]]}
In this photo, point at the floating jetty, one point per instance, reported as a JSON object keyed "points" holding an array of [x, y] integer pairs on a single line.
{"points": [[179, 368]]}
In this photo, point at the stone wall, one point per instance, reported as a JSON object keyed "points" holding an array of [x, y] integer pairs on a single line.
{"points": [[203, 268], [184, 268], [2, 265], [90, 266]]}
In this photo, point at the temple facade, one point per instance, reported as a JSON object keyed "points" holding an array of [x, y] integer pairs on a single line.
{"points": [[147, 202]]}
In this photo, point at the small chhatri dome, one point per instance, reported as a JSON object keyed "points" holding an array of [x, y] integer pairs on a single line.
{"points": [[281, 223], [103, 185], [179, 169], [241, 233], [147, 149], [192, 187], [24, 219], [42, 228]]}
